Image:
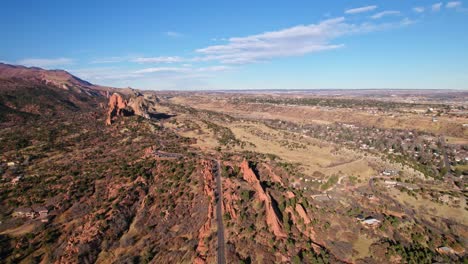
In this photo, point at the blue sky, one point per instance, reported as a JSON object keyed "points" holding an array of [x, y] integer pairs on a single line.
{"points": [[259, 44]]}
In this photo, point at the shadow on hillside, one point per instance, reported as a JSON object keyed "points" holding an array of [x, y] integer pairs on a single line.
{"points": [[160, 116]]}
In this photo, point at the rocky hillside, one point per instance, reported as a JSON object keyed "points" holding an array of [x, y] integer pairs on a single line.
{"points": [[33, 91], [57, 78], [99, 175]]}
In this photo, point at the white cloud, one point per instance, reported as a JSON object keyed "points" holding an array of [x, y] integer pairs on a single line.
{"points": [[161, 69], [109, 60], [385, 13], [419, 9], [188, 69], [361, 9], [406, 21], [97, 74], [453, 4], [436, 7], [219, 68], [173, 34], [294, 41], [158, 59], [45, 62]]}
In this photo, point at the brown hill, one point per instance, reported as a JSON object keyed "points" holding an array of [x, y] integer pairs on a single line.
{"points": [[58, 78], [26, 91]]}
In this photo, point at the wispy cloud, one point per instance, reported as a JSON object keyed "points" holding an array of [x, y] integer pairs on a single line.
{"points": [[436, 7], [419, 9], [294, 41], [109, 60], [158, 59], [386, 13], [41, 62], [104, 73], [361, 9], [173, 34], [161, 69], [453, 4], [184, 69], [407, 21]]}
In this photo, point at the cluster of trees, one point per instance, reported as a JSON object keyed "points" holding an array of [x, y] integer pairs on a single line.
{"points": [[224, 135], [413, 253], [336, 102]]}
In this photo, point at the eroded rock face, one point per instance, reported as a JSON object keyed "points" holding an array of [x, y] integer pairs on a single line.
{"points": [[274, 177], [142, 106], [137, 104], [302, 213], [204, 232], [230, 198], [271, 218], [305, 227], [117, 107]]}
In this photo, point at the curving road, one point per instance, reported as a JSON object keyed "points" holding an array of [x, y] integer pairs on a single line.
{"points": [[221, 254]]}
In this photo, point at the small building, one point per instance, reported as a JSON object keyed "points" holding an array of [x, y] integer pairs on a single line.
{"points": [[42, 211], [445, 250], [390, 183], [24, 212], [371, 221], [389, 172], [11, 164]]}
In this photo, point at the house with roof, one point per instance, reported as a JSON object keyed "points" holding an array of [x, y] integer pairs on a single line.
{"points": [[370, 221], [24, 212], [445, 250], [41, 211]]}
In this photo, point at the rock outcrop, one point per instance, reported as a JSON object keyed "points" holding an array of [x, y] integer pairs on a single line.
{"points": [[230, 198], [117, 107], [302, 213], [141, 105], [271, 218], [204, 232], [273, 175], [303, 226], [137, 104]]}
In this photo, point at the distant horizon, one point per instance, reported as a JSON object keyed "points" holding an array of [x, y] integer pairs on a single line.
{"points": [[182, 45], [256, 89]]}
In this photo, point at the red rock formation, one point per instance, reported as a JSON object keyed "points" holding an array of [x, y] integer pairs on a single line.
{"points": [[302, 213], [307, 230], [230, 198], [273, 175], [137, 104], [271, 218], [117, 106], [204, 232], [290, 195], [141, 105]]}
